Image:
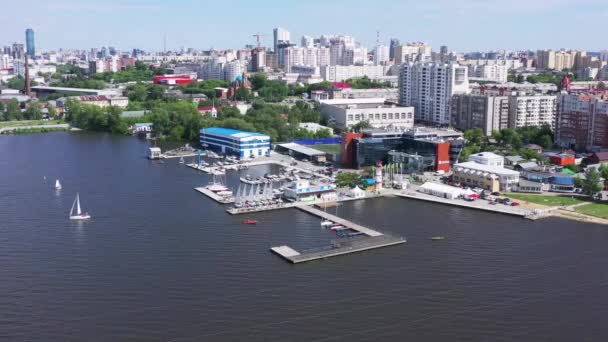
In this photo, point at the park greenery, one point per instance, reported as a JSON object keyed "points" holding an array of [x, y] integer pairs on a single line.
{"points": [[349, 179], [365, 83], [11, 111], [547, 77], [509, 140]]}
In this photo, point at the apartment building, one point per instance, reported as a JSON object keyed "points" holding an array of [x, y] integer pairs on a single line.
{"points": [[582, 121], [490, 113], [429, 88], [532, 110]]}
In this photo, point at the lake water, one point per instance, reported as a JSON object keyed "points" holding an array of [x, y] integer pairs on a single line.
{"points": [[161, 262]]}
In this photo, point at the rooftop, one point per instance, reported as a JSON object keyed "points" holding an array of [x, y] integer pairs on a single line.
{"points": [[231, 132], [487, 168], [302, 149]]}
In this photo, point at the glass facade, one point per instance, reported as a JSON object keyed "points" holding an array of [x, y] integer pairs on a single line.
{"points": [[30, 44]]}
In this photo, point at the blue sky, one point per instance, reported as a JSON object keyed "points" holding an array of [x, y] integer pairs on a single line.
{"points": [[463, 25]]}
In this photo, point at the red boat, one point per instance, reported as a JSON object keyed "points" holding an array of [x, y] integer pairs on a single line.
{"points": [[250, 222]]}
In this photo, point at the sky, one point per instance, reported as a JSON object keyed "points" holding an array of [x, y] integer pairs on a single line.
{"points": [[462, 25]]}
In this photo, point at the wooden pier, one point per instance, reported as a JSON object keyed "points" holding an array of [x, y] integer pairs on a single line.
{"points": [[341, 221]]}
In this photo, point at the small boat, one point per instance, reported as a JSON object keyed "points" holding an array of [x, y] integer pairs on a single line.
{"points": [[79, 214], [181, 160], [436, 238], [326, 223], [57, 185], [250, 222]]}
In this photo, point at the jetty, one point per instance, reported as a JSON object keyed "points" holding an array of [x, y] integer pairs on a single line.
{"points": [[214, 196], [365, 239]]}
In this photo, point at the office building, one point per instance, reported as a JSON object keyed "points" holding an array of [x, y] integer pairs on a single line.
{"points": [[532, 110], [235, 142], [490, 113], [582, 121], [417, 149], [30, 43], [307, 42], [429, 88], [345, 113]]}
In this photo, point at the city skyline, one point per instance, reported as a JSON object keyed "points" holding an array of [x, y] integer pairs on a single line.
{"points": [[465, 26]]}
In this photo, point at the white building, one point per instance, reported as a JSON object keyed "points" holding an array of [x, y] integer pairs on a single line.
{"points": [[4, 61], [507, 179], [307, 42], [413, 52], [532, 110], [345, 113], [442, 190], [429, 88], [234, 69], [339, 73], [488, 158], [381, 55], [489, 72]]}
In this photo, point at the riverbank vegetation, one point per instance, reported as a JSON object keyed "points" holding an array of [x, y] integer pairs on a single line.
{"points": [[594, 209], [548, 200], [36, 130]]}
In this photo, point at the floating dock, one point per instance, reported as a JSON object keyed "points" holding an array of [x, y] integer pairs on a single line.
{"points": [[214, 196], [367, 239]]}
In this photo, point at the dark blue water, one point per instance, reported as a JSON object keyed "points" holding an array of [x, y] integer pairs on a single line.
{"points": [[161, 262]]}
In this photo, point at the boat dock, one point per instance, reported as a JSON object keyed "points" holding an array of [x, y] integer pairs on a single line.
{"points": [[362, 240], [341, 221], [338, 247], [214, 196]]}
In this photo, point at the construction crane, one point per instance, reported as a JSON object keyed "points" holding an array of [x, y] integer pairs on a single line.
{"points": [[258, 37]]}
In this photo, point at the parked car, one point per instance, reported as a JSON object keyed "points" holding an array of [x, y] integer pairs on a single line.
{"points": [[514, 204]]}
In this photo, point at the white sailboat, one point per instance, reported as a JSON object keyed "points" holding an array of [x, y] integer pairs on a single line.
{"points": [[79, 214], [57, 185]]}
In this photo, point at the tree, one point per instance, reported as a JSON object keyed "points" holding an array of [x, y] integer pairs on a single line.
{"points": [[33, 111], [347, 179], [601, 85], [242, 94], [361, 125], [323, 133], [603, 169], [474, 136], [16, 83], [546, 141], [13, 112], [229, 112], [591, 184], [258, 81]]}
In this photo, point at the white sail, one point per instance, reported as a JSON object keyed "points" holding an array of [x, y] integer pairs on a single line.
{"points": [[72, 209], [57, 185], [78, 211]]}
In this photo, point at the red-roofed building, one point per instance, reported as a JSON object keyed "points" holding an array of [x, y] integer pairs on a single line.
{"points": [[341, 85], [174, 79]]}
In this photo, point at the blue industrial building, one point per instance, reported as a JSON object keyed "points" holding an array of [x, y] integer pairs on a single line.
{"points": [[235, 142]]}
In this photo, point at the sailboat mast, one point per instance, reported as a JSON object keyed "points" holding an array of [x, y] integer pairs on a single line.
{"points": [[78, 211]]}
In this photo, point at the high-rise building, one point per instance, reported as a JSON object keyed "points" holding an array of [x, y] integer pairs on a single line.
{"points": [[429, 87], [582, 121], [490, 113], [18, 51], [381, 54], [258, 59], [29, 41], [307, 42], [532, 110], [413, 52], [281, 35], [394, 43]]}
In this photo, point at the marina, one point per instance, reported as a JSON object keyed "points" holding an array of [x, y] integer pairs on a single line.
{"points": [[214, 196]]}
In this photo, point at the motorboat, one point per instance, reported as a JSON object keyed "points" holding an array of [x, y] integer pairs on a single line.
{"points": [[437, 238], [250, 221], [326, 223]]}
